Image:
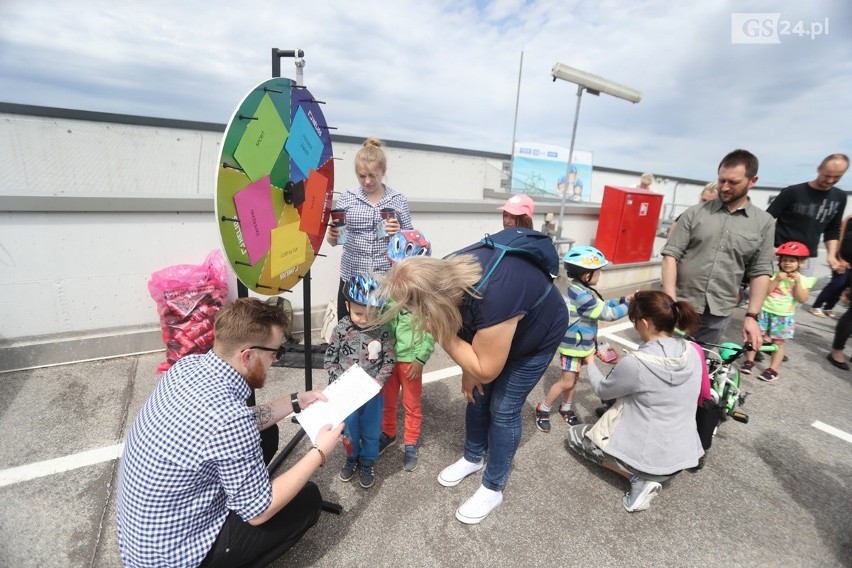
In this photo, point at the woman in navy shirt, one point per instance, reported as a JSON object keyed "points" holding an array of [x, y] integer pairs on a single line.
{"points": [[503, 338]]}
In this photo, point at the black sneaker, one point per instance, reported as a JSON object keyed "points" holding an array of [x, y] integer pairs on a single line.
{"points": [[542, 419], [385, 441], [367, 478], [348, 469], [570, 417], [746, 367], [409, 460], [599, 411]]}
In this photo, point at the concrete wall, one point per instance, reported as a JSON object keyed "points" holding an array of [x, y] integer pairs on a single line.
{"points": [[92, 204]]}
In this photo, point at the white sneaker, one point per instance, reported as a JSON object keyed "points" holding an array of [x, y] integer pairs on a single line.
{"points": [[817, 312], [640, 495], [477, 507], [452, 475]]}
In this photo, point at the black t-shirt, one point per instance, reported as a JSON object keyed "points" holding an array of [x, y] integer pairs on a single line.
{"points": [[514, 288], [803, 213]]}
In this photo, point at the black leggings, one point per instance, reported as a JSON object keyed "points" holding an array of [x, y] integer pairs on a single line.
{"points": [[843, 330]]}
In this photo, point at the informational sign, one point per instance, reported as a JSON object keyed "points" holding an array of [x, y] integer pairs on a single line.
{"points": [[539, 169], [274, 186]]}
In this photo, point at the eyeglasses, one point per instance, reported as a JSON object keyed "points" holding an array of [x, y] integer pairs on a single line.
{"points": [[268, 349]]}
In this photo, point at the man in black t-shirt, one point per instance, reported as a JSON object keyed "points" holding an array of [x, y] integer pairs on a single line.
{"points": [[807, 210]]}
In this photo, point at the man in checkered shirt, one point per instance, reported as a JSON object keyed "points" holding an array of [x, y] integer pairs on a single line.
{"points": [[193, 488]]}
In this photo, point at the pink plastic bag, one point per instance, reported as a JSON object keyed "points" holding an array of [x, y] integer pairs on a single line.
{"points": [[188, 297]]}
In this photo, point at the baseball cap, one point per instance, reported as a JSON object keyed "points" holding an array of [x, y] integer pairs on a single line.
{"points": [[519, 205]]}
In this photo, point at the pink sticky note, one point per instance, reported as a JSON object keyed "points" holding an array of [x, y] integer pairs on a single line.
{"points": [[257, 217]]}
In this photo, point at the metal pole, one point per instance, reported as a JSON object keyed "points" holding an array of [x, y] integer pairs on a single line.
{"points": [[570, 160], [517, 100]]}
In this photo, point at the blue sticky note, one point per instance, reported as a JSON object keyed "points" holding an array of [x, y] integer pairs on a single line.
{"points": [[304, 144]]}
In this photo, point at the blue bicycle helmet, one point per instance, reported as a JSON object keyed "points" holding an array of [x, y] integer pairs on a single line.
{"points": [[363, 290], [585, 257], [408, 243], [583, 260]]}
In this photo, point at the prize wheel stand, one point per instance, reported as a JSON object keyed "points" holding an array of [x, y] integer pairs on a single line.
{"points": [[273, 197]]}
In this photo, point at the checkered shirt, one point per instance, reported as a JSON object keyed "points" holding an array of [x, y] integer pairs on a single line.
{"points": [[363, 251], [192, 455]]}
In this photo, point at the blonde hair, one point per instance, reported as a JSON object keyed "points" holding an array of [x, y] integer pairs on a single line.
{"points": [[711, 188], [432, 289], [371, 154], [646, 179]]}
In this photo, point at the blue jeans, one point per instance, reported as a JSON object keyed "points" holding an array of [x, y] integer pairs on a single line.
{"points": [[363, 428], [493, 420]]}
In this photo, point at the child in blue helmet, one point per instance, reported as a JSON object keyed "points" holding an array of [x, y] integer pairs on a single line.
{"points": [[413, 348], [585, 308], [352, 341]]}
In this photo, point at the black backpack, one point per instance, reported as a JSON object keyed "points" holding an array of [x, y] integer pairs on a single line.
{"points": [[529, 243]]}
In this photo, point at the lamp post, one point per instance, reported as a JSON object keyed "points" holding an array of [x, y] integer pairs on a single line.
{"points": [[594, 85]]}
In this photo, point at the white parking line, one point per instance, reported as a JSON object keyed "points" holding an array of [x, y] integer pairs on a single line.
{"points": [[610, 331], [58, 465], [441, 374], [91, 457], [845, 436]]}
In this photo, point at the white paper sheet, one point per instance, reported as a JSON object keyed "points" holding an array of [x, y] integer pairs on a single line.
{"points": [[345, 395]]}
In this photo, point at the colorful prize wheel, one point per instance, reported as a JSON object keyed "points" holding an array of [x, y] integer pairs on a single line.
{"points": [[274, 186]]}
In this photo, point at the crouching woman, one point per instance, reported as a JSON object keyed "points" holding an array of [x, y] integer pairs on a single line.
{"points": [[649, 434]]}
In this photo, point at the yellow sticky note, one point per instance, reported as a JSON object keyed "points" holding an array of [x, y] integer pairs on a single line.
{"points": [[288, 248]]}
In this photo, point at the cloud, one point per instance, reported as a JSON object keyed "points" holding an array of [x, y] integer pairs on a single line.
{"points": [[446, 72]]}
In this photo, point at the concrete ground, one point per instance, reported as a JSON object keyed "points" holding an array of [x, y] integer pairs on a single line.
{"points": [[775, 492]]}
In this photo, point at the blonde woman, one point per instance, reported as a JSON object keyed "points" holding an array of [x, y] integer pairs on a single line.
{"points": [[503, 338], [366, 246]]}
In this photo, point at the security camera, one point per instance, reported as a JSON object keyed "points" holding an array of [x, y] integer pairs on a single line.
{"points": [[594, 84]]}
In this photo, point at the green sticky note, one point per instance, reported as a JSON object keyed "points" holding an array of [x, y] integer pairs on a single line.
{"points": [[262, 141]]}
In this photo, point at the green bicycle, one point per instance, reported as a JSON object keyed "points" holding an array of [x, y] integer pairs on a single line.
{"points": [[727, 391]]}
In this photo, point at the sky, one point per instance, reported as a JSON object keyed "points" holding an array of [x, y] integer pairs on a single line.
{"points": [[446, 72]]}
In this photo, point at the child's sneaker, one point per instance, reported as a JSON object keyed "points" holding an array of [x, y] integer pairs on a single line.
{"points": [[348, 469], [367, 478], [542, 419], [768, 375], [817, 312], [409, 460], [570, 417], [385, 441], [746, 367], [640, 495]]}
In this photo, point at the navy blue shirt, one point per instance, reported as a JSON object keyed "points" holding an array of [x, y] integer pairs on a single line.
{"points": [[513, 289]]}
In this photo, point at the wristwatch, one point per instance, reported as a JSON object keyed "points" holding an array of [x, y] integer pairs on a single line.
{"points": [[752, 315], [294, 400]]}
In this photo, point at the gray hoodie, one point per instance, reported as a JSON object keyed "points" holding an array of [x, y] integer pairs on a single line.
{"points": [[659, 385]]}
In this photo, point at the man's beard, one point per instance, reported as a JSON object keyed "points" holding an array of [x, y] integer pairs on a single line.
{"points": [[256, 376]]}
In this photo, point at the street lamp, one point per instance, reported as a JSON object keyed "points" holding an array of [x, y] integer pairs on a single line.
{"points": [[594, 85]]}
